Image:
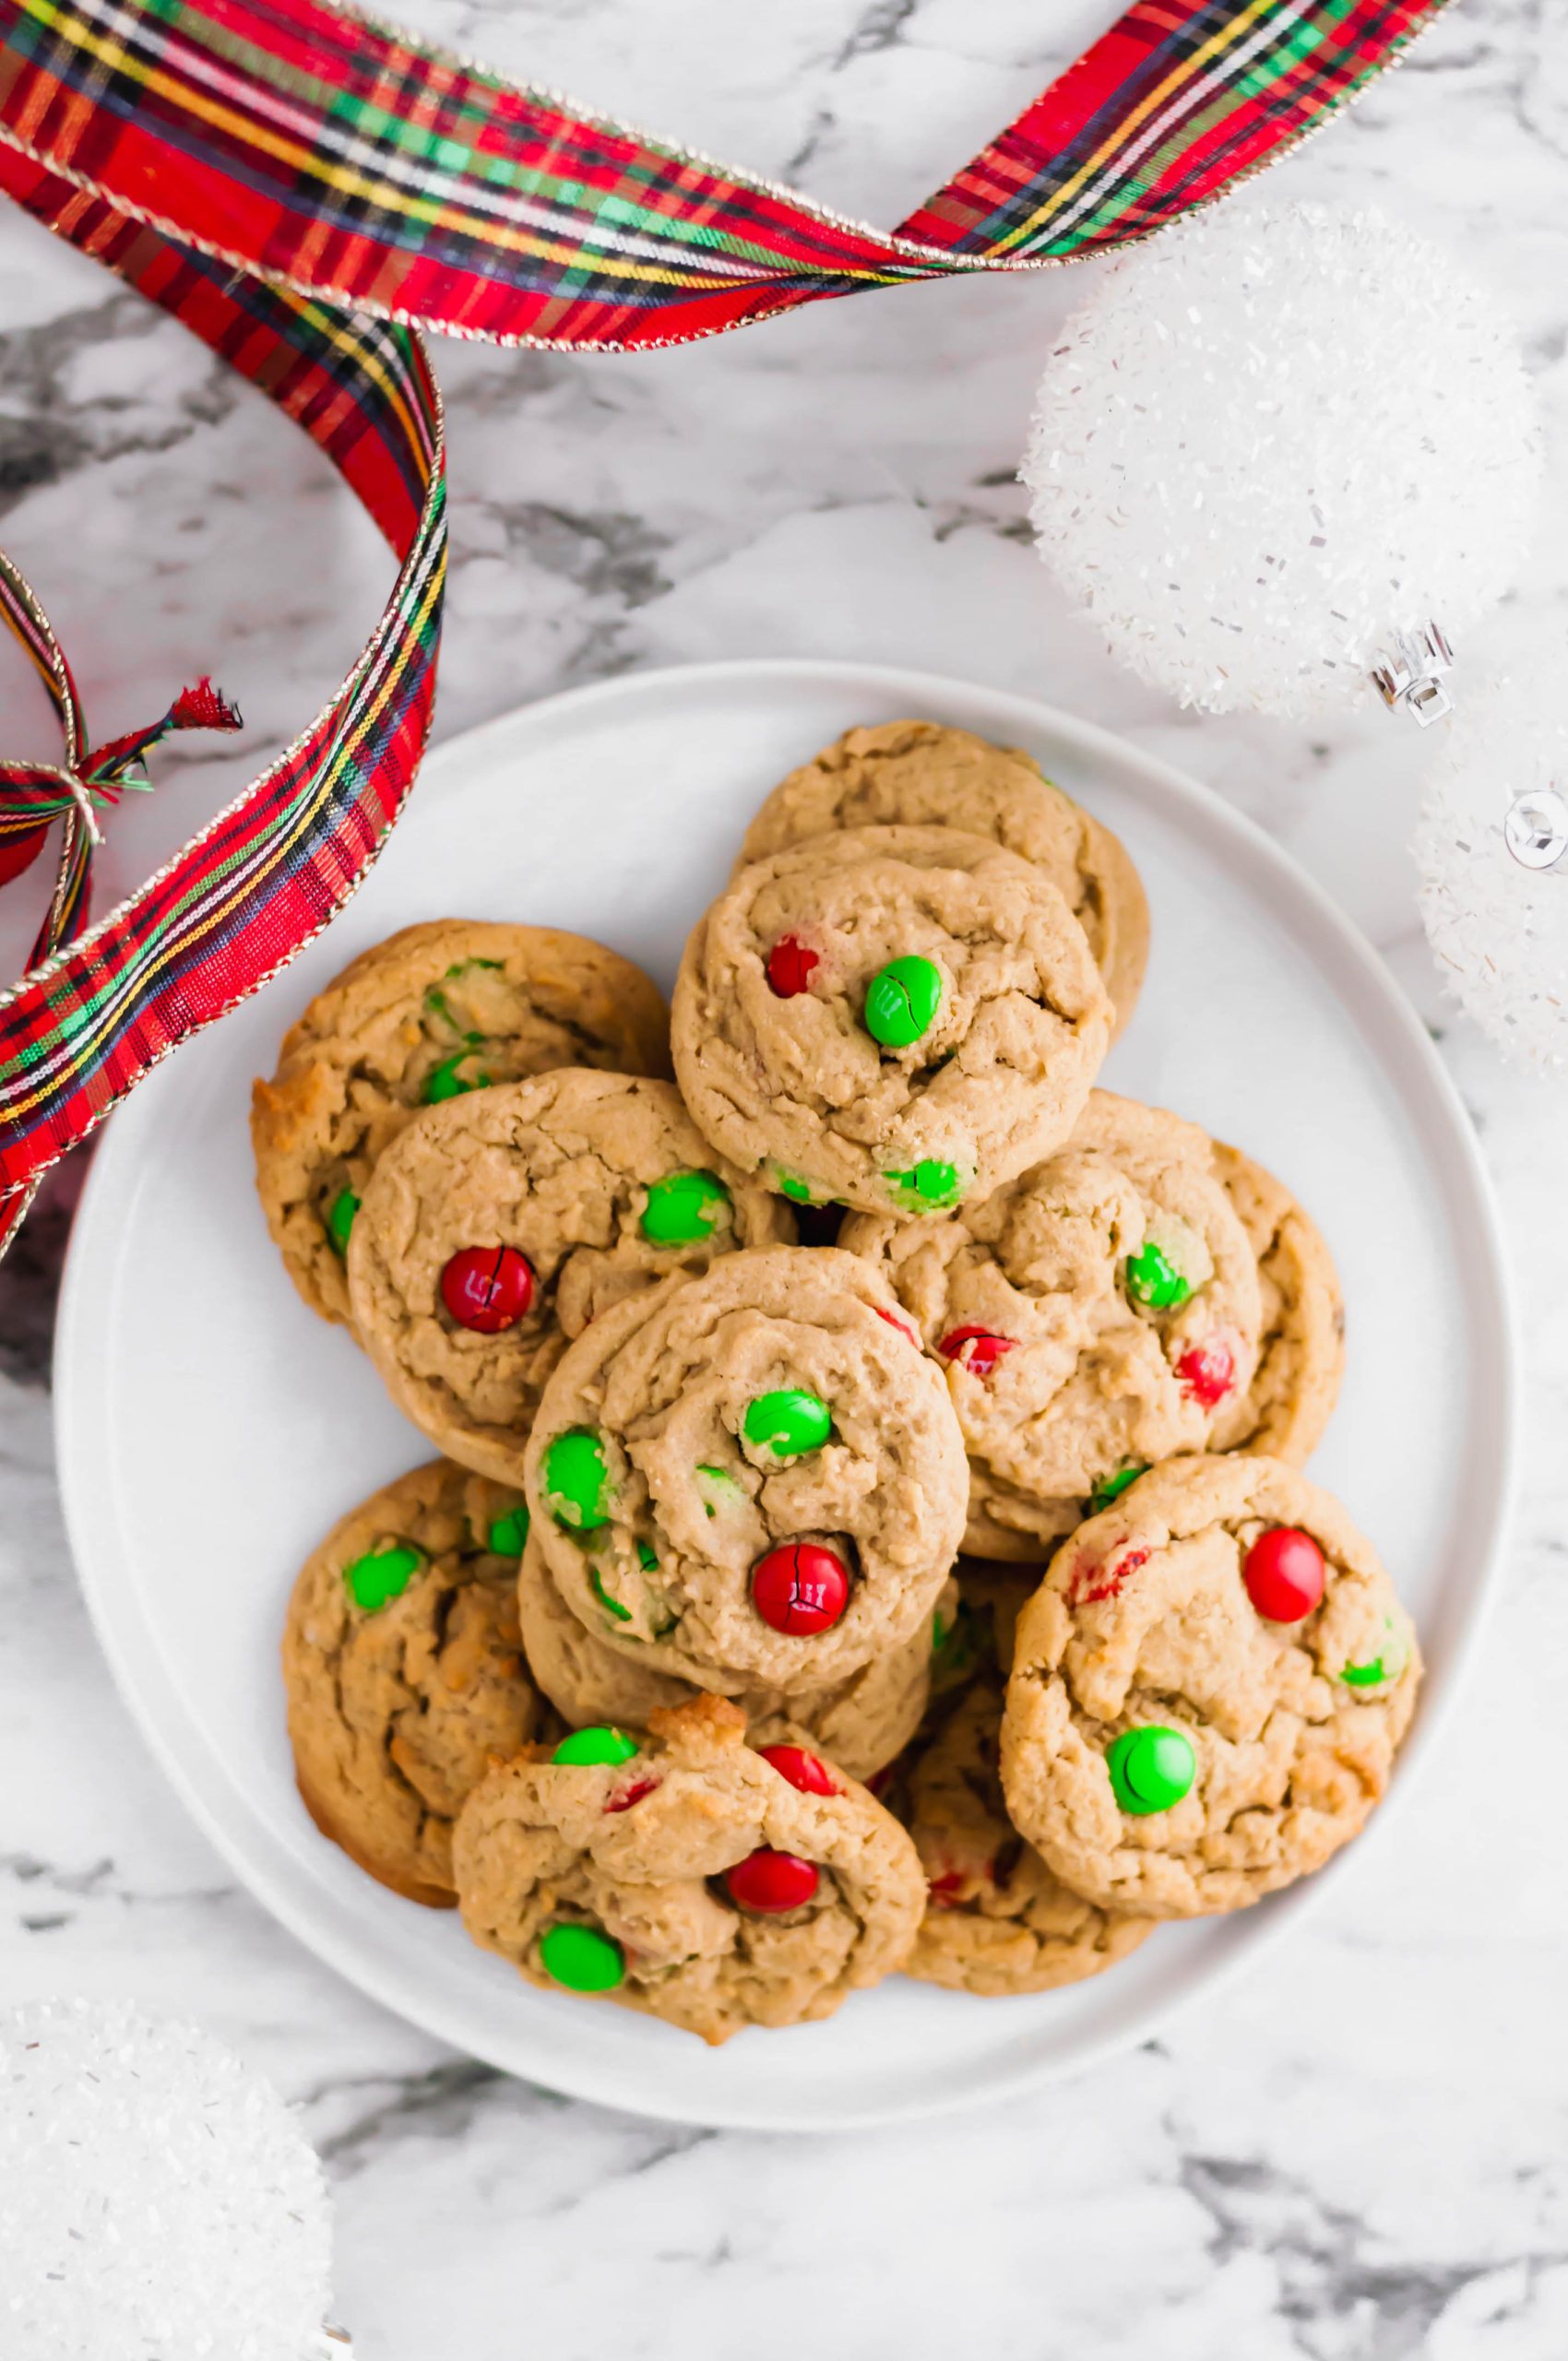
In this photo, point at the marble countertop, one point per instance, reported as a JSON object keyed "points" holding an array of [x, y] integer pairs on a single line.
{"points": [[1356, 2155]]}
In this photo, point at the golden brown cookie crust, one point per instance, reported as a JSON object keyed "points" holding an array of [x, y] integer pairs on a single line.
{"points": [[394, 1713], [1092, 1381], [861, 1722], [798, 1089], [1301, 1364], [997, 1919], [665, 1381], [635, 1849], [559, 1168], [923, 774], [510, 1000], [1144, 1619]]}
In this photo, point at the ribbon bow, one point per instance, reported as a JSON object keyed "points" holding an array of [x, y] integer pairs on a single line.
{"points": [[34, 795]]}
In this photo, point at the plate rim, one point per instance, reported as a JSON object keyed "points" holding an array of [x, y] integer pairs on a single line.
{"points": [[1466, 1192]]}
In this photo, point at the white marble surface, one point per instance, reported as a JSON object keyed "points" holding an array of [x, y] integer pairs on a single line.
{"points": [[1356, 2156]]}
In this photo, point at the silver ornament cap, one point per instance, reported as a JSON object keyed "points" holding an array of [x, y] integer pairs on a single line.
{"points": [[1535, 828]]}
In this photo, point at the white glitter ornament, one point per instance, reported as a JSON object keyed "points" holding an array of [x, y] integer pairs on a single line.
{"points": [[158, 2202], [1274, 438], [1498, 927]]}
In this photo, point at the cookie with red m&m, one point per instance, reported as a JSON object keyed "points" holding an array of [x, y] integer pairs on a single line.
{"points": [[1301, 1360], [497, 1225], [682, 1873], [861, 1722], [753, 1478], [404, 1673], [997, 1919], [433, 1012], [1097, 1312], [1208, 1690], [923, 774], [894, 1017]]}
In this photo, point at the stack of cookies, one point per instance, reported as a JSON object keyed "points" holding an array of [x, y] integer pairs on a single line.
{"points": [[868, 1533]]}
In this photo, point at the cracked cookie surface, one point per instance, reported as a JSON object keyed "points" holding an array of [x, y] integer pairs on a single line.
{"points": [[1285, 1410], [1098, 1313], [924, 774], [396, 1706], [572, 1172], [997, 1919], [989, 1014], [636, 1854], [435, 1010], [1284, 1732], [654, 1409], [861, 1722]]}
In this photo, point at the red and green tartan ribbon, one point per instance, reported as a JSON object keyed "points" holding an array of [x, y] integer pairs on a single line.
{"points": [[303, 187]]}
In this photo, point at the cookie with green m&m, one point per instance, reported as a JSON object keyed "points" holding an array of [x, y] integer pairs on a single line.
{"points": [[997, 1919], [431, 1014], [1097, 1312], [1208, 1690], [677, 1869], [888, 1017], [497, 1225], [751, 1479], [404, 1671], [925, 774]]}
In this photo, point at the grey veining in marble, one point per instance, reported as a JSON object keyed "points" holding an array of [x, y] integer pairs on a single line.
{"points": [[1358, 2153]]}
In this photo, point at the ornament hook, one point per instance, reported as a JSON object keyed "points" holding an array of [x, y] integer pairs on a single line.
{"points": [[1535, 828], [1410, 676]]}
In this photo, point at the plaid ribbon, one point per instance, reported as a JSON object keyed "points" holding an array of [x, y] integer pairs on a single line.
{"points": [[303, 189]]}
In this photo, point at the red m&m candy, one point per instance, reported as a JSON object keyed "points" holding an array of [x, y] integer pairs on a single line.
{"points": [[1207, 1372], [1283, 1573], [799, 1587], [487, 1288], [766, 1882], [803, 1771], [790, 965], [976, 1349]]}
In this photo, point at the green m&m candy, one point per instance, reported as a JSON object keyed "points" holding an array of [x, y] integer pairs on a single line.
{"points": [[622, 1614], [508, 1532], [384, 1575], [341, 1219], [787, 1422], [930, 1182], [1152, 1278], [1387, 1665], [684, 1209], [600, 1744], [444, 1082], [583, 1959], [578, 1480], [790, 1185], [1151, 1769], [1111, 1488], [902, 1000]]}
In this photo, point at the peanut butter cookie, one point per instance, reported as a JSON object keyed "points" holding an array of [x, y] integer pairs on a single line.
{"points": [[1302, 1341], [402, 1666], [683, 1875], [1208, 1690], [497, 1226], [432, 1012], [897, 1018], [922, 774], [1098, 1313], [859, 1723], [749, 1479], [997, 1920]]}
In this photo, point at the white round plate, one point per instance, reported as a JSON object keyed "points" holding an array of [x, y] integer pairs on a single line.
{"points": [[210, 1429]]}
